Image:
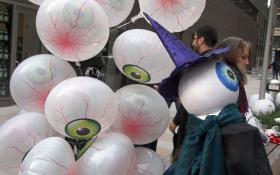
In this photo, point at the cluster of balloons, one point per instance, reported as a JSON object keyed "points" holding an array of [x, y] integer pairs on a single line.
{"points": [[60, 105], [78, 125]]}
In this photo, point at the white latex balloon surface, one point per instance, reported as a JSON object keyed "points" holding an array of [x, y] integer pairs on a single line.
{"points": [[262, 107], [148, 162], [111, 154], [255, 97], [72, 30], [174, 15], [208, 87], [277, 100], [77, 104], [50, 156], [143, 113], [34, 78], [17, 136], [252, 120], [140, 55], [116, 10], [37, 2]]}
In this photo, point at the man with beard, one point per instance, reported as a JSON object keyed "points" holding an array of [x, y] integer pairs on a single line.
{"points": [[204, 39]]}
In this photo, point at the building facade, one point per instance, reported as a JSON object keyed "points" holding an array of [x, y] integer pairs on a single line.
{"points": [[276, 32], [19, 40]]}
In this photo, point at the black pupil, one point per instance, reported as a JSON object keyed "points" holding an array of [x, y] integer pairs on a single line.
{"points": [[83, 131], [230, 74], [135, 75]]}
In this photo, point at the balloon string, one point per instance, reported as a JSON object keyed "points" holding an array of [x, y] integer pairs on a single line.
{"points": [[132, 20], [79, 67], [125, 24]]}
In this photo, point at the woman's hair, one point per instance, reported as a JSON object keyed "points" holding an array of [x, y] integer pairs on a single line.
{"points": [[236, 48]]}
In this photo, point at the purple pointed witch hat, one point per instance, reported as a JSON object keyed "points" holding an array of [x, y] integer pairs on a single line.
{"points": [[182, 56]]}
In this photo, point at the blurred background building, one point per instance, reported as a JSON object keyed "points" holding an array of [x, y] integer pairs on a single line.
{"points": [[19, 40], [276, 33]]}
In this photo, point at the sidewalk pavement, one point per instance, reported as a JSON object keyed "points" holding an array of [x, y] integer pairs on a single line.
{"points": [[165, 146]]}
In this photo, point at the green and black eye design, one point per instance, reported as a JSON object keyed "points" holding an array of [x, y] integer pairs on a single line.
{"points": [[82, 129], [227, 76], [84, 149], [136, 73]]}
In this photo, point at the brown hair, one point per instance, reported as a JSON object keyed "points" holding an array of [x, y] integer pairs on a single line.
{"points": [[236, 48]]}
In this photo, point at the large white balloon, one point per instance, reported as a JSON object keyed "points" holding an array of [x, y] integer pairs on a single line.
{"points": [[263, 107], [34, 78], [116, 10], [143, 113], [277, 99], [148, 162], [37, 2], [78, 106], [111, 154], [17, 136], [174, 15], [140, 55], [255, 97], [50, 156], [72, 30], [198, 85]]}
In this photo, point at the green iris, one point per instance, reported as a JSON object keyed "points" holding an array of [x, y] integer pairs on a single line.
{"points": [[83, 129], [136, 73]]}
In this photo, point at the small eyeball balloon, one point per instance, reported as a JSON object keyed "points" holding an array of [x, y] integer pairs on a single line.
{"points": [[116, 10], [50, 156], [143, 113], [263, 107], [174, 15], [277, 100], [111, 154], [72, 30], [34, 78], [255, 97], [17, 136], [140, 56], [252, 120], [147, 162], [199, 84], [80, 107]]}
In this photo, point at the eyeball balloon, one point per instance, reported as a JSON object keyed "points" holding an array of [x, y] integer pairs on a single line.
{"points": [[199, 83], [111, 154], [174, 15], [80, 107], [17, 136], [116, 10], [277, 100], [263, 107], [34, 78], [255, 97], [50, 156], [143, 114], [148, 162], [140, 56], [37, 2], [252, 120], [72, 30]]}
